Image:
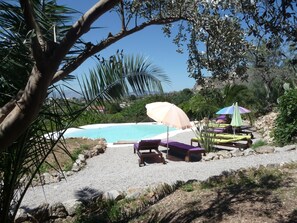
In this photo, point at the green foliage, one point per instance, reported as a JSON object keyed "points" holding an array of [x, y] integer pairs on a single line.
{"points": [[136, 112], [122, 74], [199, 107], [112, 108], [68, 165], [286, 122], [188, 187], [206, 138], [179, 97], [235, 93], [249, 179], [258, 143]]}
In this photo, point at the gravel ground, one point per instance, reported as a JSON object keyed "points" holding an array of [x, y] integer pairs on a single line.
{"points": [[117, 169]]}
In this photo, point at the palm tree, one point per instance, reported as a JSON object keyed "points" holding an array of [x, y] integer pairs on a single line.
{"points": [[123, 75], [20, 163]]}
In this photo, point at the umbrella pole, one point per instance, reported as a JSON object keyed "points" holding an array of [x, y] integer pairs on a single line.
{"points": [[167, 140]]}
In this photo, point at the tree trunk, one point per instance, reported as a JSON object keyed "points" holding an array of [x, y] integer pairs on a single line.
{"points": [[26, 108]]}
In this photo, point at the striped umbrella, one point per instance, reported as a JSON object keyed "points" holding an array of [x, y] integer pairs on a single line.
{"points": [[230, 110]]}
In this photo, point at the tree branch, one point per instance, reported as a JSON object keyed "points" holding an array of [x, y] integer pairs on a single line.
{"points": [[83, 25], [122, 11], [38, 43], [17, 119], [107, 42]]}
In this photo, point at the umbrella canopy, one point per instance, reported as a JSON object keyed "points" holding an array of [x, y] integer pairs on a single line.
{"points": [[230, 110], [169, 115]]}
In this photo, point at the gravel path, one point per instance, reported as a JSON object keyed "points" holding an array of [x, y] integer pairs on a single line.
{"points": [[117, 169]]}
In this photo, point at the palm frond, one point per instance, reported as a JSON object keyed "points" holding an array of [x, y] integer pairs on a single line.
{"points": [[121, 75]]}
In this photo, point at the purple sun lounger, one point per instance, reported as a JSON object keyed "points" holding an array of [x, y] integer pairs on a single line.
{"points": [[186, 149], [148, 148]]}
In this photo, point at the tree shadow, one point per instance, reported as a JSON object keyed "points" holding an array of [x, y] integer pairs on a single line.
{"points": [[88, 195], [227, 198], [292, 218]]}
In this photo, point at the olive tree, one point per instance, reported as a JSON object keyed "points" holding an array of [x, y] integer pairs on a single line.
{"points": [[221, 26], [216, 23]]}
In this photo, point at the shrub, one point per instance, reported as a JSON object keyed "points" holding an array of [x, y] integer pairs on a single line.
{"points": [[259, 143], [206, 137], [286, 122]]}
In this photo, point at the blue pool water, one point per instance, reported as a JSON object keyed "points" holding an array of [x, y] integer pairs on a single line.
{"points": [[114, 133]]}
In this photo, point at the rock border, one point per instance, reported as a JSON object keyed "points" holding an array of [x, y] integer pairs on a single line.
{"points": [[79, 164]]}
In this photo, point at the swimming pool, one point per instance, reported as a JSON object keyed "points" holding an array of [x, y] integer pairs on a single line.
{"points": [[119, 132]]}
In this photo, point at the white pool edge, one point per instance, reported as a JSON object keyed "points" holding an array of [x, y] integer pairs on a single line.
{"points": [[160, 136]]}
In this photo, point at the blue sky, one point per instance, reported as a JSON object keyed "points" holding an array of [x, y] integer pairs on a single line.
{"points": [[150, 43]]}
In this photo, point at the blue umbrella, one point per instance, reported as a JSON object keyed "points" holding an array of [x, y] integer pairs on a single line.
{"points": [[230, 110]]}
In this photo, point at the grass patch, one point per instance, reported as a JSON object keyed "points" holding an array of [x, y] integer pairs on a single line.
{"points": [[259, 143], [254, 178], [75, 146]]}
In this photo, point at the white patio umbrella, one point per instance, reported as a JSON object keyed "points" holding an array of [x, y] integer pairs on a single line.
{"points": [[169, 115]]}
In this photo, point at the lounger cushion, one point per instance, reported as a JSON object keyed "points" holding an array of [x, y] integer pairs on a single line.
{"points": [[147, 144], [179, 145]]}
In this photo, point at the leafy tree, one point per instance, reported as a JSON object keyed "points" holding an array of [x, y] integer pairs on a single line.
{"points": [[269, 70], [180, 97], [215, 23], [286, 122], [235, 93], [136, 112], [199, 107], [21, 161], [39, 59]]}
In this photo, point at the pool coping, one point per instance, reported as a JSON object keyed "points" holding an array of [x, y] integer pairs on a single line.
{"points": [[129, 142]]}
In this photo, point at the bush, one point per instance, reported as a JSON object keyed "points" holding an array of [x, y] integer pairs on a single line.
{"points": [[286, 122], [259, 143]]}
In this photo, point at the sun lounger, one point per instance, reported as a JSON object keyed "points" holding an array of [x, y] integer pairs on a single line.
{"points": [[227, 128], [148, 149], [229, 140], [186, 149]]}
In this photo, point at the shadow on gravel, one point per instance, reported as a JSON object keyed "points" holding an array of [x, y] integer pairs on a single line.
{"points": [[230, 199], [88, 195]]}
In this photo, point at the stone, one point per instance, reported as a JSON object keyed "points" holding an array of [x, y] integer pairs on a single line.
{"points": [[133, 195], [98, 149], [68, 173], [273, 165], [21, 216], [58, 210], [113, 195], [285, 148], [209, 156], [265, 149], [87, 153], [265, 125], [41, 213], [75, 167], [224, 154], [237, 152], [47, 178], [82, 158], [71, 206], [248, 152]]}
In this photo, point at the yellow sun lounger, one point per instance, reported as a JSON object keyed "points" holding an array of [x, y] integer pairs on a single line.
{"points": [[230, 140]]}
